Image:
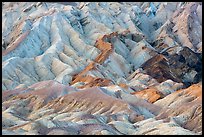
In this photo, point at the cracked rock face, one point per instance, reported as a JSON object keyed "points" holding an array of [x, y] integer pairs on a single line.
{"points": [[101, 68]]}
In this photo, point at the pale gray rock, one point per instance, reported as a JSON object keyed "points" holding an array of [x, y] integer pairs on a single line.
{"points": [[46, 44]]}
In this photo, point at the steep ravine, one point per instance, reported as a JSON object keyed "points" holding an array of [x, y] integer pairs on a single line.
{"points": [[101, 68]]}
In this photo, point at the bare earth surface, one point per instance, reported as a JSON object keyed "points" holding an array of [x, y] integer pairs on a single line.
{"points": [[102, 68]]}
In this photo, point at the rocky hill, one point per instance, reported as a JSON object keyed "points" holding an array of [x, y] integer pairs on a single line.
{"points": [[126, 68]]}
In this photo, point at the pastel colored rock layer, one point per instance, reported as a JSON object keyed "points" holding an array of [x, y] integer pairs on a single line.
{"points": [[101, 68]]}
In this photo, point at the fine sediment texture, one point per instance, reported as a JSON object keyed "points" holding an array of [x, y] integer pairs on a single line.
{"points": [[101, 68]]}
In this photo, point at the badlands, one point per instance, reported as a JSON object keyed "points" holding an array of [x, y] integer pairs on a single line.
{"points": [[102, 68]]}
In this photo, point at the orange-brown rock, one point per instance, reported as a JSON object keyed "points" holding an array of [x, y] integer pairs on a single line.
{"points": [[150, 94], [95, 82], [185, 105], [80, 76], [122, 85], [158, 68], [101, 68], [106, 49]]}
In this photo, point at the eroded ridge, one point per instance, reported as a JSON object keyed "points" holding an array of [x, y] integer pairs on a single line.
{"points": [[101, 68]]}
